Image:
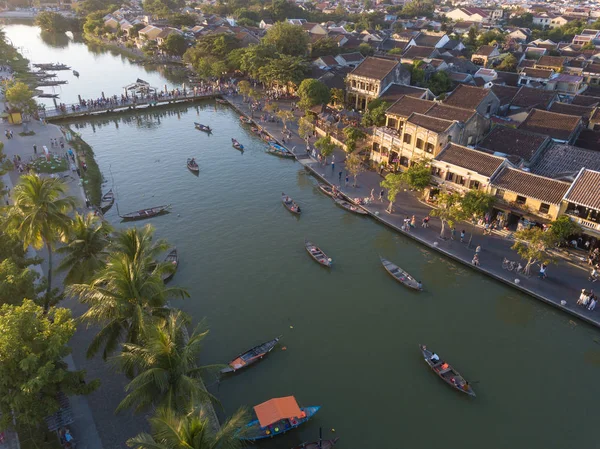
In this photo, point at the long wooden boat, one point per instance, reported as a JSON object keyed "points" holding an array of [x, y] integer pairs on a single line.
{"points": [[245, 120], [290, 204], [316, 253], [192, 165], [328, 190], [349, 206], [279, 153], [146, 213], [201, 127], [400, 275], [446, 372], [47, 95], [276, 417], [321, 444], [172, 258], [107, 201], [237, 145], [251, 356]]}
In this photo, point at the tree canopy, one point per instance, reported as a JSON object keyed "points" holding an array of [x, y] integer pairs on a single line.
{"points": [[53, 22], [287, 39], [20, 98], [418, 175], [312, 92], [175, 44]]}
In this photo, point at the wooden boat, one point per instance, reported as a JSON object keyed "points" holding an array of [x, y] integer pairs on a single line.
{"points": [[146, 213], [279, 153], [201, 127], [237, 145], [192, 165], [221, 101], [446, 372], [349, 206], [316, 253], [76, 73], [290, 204], [276, 417], [328, 190], [172, 258], [107, 200], [48, 95], [321, 444], [245, 120], [400, 275], [250, 357]]}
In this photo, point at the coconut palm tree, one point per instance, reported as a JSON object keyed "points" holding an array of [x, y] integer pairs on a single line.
{"points": [[127, 292], [39, 216], [172, 431], [86, 252], [167, 366]]}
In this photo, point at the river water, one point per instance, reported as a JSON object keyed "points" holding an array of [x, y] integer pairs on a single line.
{"points": [[351, 333]]}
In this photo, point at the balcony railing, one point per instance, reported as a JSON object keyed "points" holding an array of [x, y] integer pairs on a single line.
{"points": [[585, 223]]}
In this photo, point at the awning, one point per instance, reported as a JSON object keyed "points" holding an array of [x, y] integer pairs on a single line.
{"points": [[277, 409]]}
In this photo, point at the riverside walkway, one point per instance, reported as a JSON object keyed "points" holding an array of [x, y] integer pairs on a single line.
{"points": [[565, 279]]}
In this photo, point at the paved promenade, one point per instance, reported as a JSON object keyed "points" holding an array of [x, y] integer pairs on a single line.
{"points": [[565, 279]]}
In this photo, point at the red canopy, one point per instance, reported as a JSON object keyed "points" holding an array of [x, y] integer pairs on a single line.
{"points": [[277, 409]]}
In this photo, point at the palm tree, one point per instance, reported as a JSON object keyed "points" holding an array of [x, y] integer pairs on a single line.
{"points": [[127, 292], [166, 363], [193, 431], [39, 216], [86, 252]]}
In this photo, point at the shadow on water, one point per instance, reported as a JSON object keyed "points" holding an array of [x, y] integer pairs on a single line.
{"points": [[55, 40]]}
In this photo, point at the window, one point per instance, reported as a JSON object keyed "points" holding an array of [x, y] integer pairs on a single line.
{"points": [[407, 138], [429, 147], [460, 180], [450, 176], [436, 171], [469, 140], [499, 193], [449, 139], [489, 108], [420, 144], [391, 122], [521, 199], [404, 161], [474, 185], [544, 208]]}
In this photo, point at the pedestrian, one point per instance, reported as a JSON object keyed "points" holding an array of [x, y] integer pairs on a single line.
{"points": [[462, 236], [34, 149], [452, 233], [79, 172], [11, 134], [372, 197], [478, 249], [406, 226], [62, 145], [593, 275], [87, 203], [381, 195], [84, 165], [413, 221], [346, 183], [332, 166], [425, 222], [340, 177], [475, 260], [542, 274], [592, 305]]}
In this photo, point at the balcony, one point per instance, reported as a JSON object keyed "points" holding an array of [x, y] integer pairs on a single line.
{"points": [[587, 224], [388, 136]]}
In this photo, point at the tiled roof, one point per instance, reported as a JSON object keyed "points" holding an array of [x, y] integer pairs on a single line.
{"points": [[460, 77], [528, 97], [557, 126], [477, 161], [407, 105], [529, 185], [562, 160], [551, 61], [504, 93], [433, 124], [586, 190], [446, 112], [514, 142], [537, 73], [352, 57], [585, 100], [526, 63], [395, 91], [592, 68], [467, 97], [425, 40], [417, 51], [571, 109], [485, 50], [376, 68]]}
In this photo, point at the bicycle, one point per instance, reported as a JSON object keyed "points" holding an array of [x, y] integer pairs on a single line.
{"points": [[512, 266]]}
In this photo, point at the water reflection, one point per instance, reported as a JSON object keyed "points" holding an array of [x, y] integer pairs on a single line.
{"points": [[514, 309], [56, 40]]}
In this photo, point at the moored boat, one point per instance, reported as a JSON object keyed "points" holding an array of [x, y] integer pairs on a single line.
{"points": [[107, 200], [221, 101], [446, 372], [245, 120], [250, 357], [400, 275], [321, 444], [237, 145], [329, 190], [192, 165], [172, 258], [277, 152], [275, 417], [290, 204], [145, 213], [201, 127], [349, 206], [316, 253]]}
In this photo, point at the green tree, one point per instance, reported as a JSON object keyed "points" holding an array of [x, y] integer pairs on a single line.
{"points": [[393, 183], [285, 116], [476, 203], [325, 47], [531, 245], [255, 57], [168, 374], [39, 216], [16, 283], [312, 92], [127, 292], [33, 345], [85, 253], [170, 430], [306, 126], [440, 83], [417, 74], [19, 97], [418, 8], [508, 64], [244, 88], [175, 45], [366, 50], [179, 20], [562, 228], [287, 39], [286, 71], [449, 210], [354, 166], [353, 135], [325, 146], [472, 37], [337, 96], [418, 175], [375, 114], [52, 22], [94, 25]]}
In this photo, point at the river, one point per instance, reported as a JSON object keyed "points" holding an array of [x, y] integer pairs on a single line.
{"points": [[351, 333]]}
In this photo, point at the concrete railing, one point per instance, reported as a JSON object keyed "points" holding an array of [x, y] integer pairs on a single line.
{"points": [[585, 223]]}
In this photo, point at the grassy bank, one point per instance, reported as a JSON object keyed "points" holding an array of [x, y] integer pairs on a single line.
{"points": [[92, 178], [93, 40]]}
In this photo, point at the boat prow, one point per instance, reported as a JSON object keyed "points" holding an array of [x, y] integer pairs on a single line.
{"points": [[251, 356], [400, 275]]}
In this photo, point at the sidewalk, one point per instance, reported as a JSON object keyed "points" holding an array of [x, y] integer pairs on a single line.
{"points": [[565, 280]]}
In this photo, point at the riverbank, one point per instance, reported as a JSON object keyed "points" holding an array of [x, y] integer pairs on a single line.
{"points": [[92, 177], [134, 54], [564, 282]]}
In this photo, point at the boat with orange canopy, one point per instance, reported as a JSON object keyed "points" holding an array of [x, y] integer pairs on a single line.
{"points": [[275, 417]]}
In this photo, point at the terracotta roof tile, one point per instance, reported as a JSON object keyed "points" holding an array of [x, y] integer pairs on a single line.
{"points": [[529, 185], [504, 93], [551, 61], [446, 112], [474, 160], [585, 100], [557, 126], [485, 50], [426, 40], [433, 124], [528, 97], [526, 63], [396, 91], [572, 109], [376, 68], [537, 73], [586, 190], [407, 105], [417, 51], [562, 160], [467, 97], [514, 142]]}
